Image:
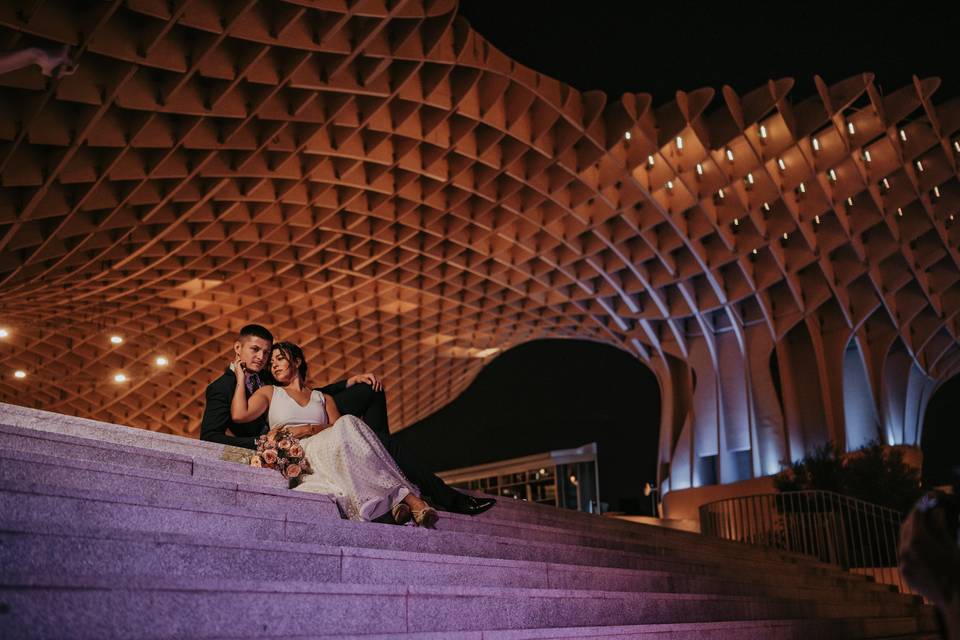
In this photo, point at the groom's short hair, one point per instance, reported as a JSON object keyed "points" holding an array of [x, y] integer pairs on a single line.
{"points": [[255, 331]]}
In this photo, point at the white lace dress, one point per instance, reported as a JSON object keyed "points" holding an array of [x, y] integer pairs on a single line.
{"points": [[348, 460]]}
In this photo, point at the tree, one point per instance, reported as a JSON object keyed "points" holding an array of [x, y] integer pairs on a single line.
{"points": [[873, 473]]}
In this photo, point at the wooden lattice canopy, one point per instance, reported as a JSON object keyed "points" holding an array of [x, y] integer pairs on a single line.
{"points": [[374, 180]]}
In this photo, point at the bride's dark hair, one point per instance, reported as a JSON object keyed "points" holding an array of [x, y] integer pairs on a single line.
{"points": [[293, 353]]}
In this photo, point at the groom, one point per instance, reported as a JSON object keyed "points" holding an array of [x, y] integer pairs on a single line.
{"points": [[360, 395]]}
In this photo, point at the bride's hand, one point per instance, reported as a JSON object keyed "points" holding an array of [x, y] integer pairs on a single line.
{"points": [[240, 370]]}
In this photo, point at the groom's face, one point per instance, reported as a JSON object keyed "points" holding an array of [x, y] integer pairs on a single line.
{"points": [[253, 352]]}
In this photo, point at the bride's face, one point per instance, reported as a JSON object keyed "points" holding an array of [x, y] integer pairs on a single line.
{"points": [[282, 369]]}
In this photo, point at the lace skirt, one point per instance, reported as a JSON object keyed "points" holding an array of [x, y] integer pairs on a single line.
{"points": [[351, 465]]}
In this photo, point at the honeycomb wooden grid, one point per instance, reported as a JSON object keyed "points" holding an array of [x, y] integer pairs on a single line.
{"points": [[375, 181]]}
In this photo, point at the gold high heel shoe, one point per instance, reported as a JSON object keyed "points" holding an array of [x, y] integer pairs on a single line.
{"points": [[401, 513], [426, 517]]}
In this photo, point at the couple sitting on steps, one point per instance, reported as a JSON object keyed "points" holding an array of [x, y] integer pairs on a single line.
{"points": [[342, 427]]}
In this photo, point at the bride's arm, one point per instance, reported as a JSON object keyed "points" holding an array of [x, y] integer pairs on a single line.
{"points": [[244, 410], [305, 430], [333, 413]]}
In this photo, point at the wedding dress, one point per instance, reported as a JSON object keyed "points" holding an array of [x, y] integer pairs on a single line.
{"points": [[348, 460]]}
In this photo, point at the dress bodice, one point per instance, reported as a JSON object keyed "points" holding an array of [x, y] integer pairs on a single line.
{"points": [[284, 410]]}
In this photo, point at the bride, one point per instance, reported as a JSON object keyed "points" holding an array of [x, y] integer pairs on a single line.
{"points": [[348, 460]]}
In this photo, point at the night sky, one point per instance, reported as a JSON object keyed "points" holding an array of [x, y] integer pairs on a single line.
{"points": [[553, 394], [558, 394]]}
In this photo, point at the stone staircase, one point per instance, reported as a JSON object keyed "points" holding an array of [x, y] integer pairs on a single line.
{"points": [[112, 532]]}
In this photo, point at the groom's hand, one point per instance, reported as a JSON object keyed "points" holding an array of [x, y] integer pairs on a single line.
{"points": [[368, 378]]}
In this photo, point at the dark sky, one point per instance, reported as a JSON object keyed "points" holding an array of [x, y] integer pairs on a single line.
{"points": [[941, 435], [547, 395], [558, 394], [660, 47]]}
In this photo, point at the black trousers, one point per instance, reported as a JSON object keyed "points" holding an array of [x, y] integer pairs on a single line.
{"points": [[371, 406]]}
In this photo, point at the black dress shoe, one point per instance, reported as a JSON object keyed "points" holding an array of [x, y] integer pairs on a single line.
{"points": [[472, 506]]}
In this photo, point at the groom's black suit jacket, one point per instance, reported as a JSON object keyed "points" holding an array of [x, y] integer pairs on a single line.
{"points": [[216, 413]]}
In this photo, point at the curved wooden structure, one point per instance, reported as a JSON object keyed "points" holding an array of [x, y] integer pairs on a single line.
{"points": [[375, 181]]}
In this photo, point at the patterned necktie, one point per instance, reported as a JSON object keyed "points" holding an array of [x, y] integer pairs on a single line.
{"points": [[252, 382]]}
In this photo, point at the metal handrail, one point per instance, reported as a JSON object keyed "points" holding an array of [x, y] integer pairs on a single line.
{"points": [[855, 535]]}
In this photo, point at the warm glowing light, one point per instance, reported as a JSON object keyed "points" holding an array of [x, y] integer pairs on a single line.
{"points": [[816, 145], [850, 128], [4, 333], [833, 175], [626, 135], [936, 191], [781, 164], [749, 178], [19, 374], [766, 206], [919, 166], [763, 132], [669, 185], [900, 212], [161, 361], [816, 219], [736, 222], [120, 378], [886, 183], [730, 155], [802, 188], [867, 156], [679, 143], [699, 169], [903, 135], [850, 201], [116, 339], [650, 161], [721, 194], [786, 236]]}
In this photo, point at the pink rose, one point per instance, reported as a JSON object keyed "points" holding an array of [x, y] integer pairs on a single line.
{"points": [[293, 471], [270, 456], [296, 451], [285, 444], [255, 461]]}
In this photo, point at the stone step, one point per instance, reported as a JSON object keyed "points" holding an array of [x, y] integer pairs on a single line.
{"points": [[37, 473], [140, 457], [46, 423], [850, 628], [48, 550], [64, 441], [168, 607], [237, 513]]}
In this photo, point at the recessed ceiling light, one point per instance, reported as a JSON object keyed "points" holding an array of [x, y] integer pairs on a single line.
{"points": [[19, 374], [120, 378], [116, 339], [4, 333], [161, 361]]}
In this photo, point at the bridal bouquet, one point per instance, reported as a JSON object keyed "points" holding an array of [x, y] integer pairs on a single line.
{"points": [[284, 453]]}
